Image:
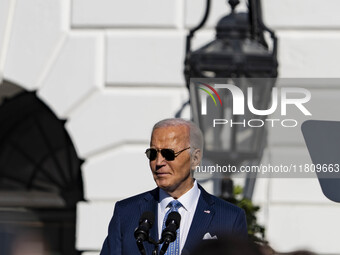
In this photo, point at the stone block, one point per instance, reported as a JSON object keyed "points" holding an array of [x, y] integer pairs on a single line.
{"points": [[118, 116], [36, 34], [5, 16], [292, 227], [297, 191], [309, 54], [77, 71], [301, 14], [145, 58], [92, 224], [124, 13], [117, 174]]}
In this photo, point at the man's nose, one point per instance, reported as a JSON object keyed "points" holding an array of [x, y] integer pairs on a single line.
{"points": [[159, 159]]}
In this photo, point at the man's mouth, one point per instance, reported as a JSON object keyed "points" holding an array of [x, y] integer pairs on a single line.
{"points": [[162, 173]]}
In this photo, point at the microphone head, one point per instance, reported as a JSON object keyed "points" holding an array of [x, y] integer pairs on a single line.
{"points": [[145, 223], [147, 216], [175, 218]]}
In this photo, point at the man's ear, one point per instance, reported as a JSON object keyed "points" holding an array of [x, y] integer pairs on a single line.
{"points": [[196, 158]]}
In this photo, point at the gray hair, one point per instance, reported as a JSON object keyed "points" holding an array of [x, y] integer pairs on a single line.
{"points": [[196, 136]]}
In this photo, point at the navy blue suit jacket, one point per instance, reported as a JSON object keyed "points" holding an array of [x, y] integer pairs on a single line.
{"points": [[212, 215]]}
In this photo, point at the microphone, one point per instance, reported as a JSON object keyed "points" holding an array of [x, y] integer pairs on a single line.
{"points": [[169, 234], [142, 231]]}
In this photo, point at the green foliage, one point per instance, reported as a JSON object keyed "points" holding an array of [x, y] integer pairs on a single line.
{"points": [[256, 232]]}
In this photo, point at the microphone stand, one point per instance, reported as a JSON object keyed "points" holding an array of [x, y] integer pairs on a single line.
{"points": [[141, 246], [156, 245], [164, 247], [168, 236], [151, 241]]}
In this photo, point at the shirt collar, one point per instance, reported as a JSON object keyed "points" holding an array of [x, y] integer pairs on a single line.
{"points": [[187, 200]]}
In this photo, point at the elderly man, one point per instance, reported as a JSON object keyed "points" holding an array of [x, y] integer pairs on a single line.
{"points": [[175, 151]]}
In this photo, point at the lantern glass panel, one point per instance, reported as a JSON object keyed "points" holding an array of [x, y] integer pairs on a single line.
{"points": [[230, 137]]}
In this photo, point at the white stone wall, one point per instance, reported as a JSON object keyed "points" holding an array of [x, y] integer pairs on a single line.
{"points": [[112, 68], [295, 212]]}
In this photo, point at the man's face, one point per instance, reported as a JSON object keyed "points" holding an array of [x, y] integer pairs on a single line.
{"points": [[172, 176]]}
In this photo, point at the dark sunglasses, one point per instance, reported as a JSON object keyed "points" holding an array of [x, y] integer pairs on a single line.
{"points": [[168, 154]]}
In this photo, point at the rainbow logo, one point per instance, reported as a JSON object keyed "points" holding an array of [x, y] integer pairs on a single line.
{"points": [[209, 93]]}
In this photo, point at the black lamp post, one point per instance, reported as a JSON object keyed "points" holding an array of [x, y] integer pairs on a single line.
{"points": [[240, 55]]}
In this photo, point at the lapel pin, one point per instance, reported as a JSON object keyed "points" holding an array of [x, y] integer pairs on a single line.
{"points": [[206, 211]]}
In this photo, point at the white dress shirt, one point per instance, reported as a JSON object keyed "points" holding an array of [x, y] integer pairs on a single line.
{"points": [[189, 202]]}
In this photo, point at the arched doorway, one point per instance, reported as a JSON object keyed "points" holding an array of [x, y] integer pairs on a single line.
{"points": [[40, 177]]}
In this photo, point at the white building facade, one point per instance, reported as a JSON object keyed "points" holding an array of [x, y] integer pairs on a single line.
{"points": [[114, 68]]}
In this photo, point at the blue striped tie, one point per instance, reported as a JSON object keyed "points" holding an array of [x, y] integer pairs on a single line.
{"points": [[173, 248]]}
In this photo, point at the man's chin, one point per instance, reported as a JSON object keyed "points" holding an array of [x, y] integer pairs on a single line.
{"points": [[164, 185]]}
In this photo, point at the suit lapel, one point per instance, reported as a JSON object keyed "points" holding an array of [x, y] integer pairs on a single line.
{"points": [[150, 203], [200, 223]]}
